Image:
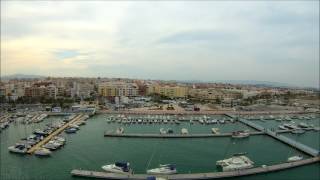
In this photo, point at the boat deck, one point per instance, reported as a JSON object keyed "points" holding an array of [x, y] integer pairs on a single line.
{"points": [[211, 175]]}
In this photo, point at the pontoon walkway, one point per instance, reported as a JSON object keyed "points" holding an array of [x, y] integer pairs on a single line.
{"points": [[213, 175]]}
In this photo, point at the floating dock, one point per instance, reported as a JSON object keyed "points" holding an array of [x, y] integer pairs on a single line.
{"points": [[56, 132], [135, 135], [299, 146], [211, 175]]}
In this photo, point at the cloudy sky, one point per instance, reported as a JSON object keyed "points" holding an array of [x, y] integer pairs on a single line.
{"points": [[182, 40]]}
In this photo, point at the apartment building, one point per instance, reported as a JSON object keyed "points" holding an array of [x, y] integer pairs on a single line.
{"points": [[171, 91], [113, 89]]}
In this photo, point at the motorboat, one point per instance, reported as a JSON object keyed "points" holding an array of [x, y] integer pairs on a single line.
{"points": [[59, 139], [165, 169], [53, 145], [295, 158], [43, 152], [4, 125], [290, 126], [298, 131], [240, 134], [74, 126], [118, 167], [163, 131], [120, 130], [303, 125], [184, 131], [282, 127], [18, 148], [215, 130], [234, 163], [39, 132], [71, 130]]}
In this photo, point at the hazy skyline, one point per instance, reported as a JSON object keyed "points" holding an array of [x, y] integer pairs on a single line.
{"points": [[248, 40]]}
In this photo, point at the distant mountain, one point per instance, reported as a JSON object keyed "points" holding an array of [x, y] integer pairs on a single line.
{"points": [[22, 76]]}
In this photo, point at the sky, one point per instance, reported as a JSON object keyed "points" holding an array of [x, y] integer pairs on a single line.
{"points": [[275, 41]]}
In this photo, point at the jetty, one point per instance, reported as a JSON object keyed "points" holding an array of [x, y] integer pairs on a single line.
{"points": [[297, 145], [210, 175], [139, 135], [56, 132]]}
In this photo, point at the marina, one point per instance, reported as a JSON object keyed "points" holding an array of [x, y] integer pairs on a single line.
{"points": [[167, 150], [58, 131]]}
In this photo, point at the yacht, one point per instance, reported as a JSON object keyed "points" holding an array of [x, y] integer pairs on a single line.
{"points": [[235, 163], [290, 126], [18, 148], [74, 126], [295, 158], [215, 130], [163, 131], [303, 125], [118, 167], [42, 152], [298, 131], [71, 130], [240, 134], [59, 139], [184, 131], [120, 130], [282, 127], [163, 170]]}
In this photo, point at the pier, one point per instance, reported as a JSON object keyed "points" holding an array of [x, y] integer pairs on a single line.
{"points": [[136, 135], [299, 146], [56, 132], [210, 175]]}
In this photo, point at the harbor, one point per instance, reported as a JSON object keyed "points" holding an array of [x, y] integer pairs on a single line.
{"points": [[104, 150], [56, 132]]}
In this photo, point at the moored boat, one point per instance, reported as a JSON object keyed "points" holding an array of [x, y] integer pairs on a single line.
{"points": [[295, 158], [42, 152], [234, 163], [118, 167], [163, 170], [184, 131], [240, 134]]}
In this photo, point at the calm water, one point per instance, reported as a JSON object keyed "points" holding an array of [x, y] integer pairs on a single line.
{"points": [[89, 149]]}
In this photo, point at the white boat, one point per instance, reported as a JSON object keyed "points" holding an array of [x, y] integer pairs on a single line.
{"points": [[298, 131], [282, 127], [74, 126], [215, 130], [163, 131], [235, 163], [42, 152], [295, 158], [303, 125], [240, 134], [163, 170], [118, 167], [59, 139], [184, 131], [120, 130], [18, 148]]}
